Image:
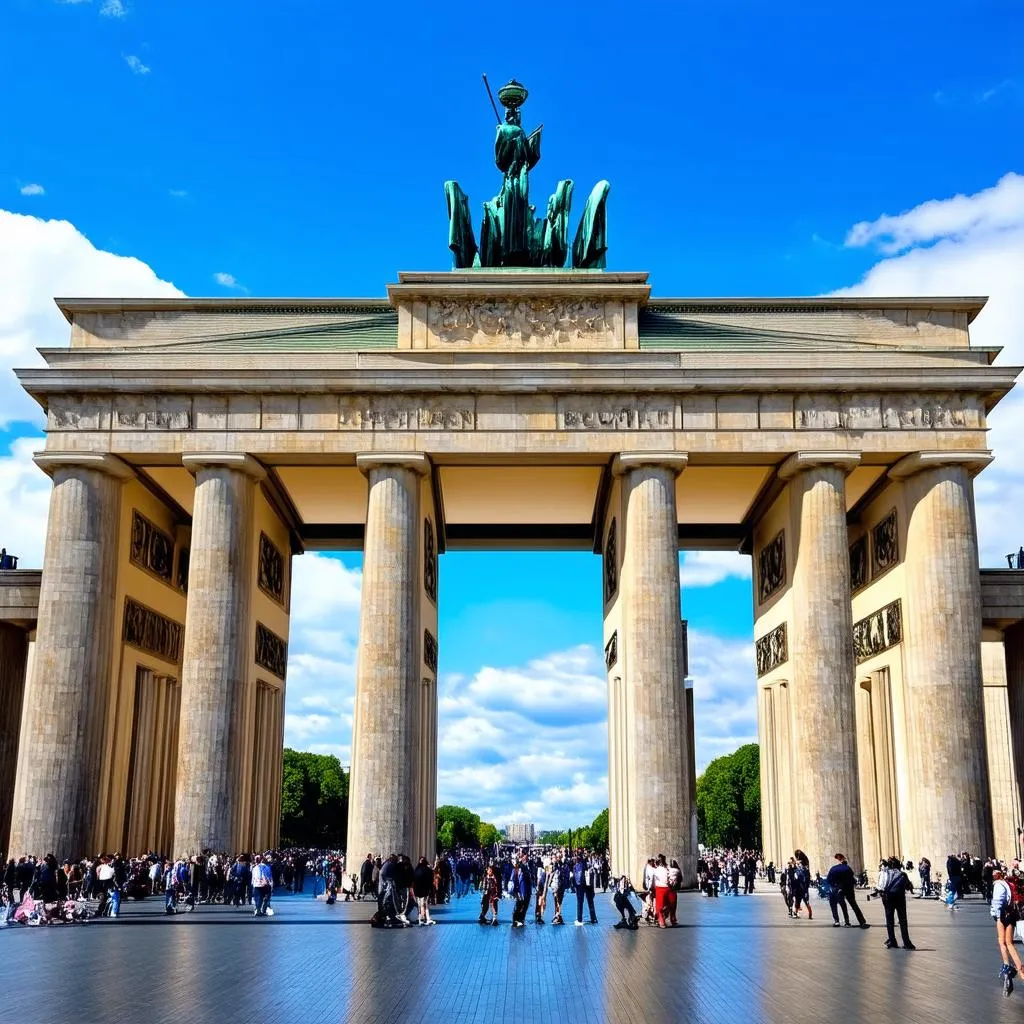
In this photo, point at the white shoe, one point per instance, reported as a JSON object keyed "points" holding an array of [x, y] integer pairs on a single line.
{"points": [[423, 924], [431, 921], [579, 924]]}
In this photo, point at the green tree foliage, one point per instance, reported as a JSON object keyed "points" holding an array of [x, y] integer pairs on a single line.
{"points": [[584, 837], [729, 800], [465, 827], [314, 800], [599, 831], [488, 834]]}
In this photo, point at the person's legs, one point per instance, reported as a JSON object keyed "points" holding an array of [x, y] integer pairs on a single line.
{"points": [[901, 912], [1006, 942], [851, 898], [659, 905], [590, 905], [890, 931], [673, 901], [842, 906], [833, 905], [579, 905]]}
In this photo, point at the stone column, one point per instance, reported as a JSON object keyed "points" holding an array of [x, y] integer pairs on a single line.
{"points": [[56, 795], [382, 819], [826, 815], [219, 650], [942, 655], [653, 641], [1013, 640], [13, 662]]}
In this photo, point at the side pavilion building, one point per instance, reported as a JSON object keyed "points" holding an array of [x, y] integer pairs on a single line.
{"points": [[197, 445]]}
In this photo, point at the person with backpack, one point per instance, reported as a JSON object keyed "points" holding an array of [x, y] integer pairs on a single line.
{"points": [[1005, 911], [893, 885]]}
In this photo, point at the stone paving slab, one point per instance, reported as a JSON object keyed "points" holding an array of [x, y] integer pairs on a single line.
{"points": [[733, 960]]}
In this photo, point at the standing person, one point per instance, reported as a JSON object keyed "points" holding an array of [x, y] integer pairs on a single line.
{"points": [[262, 886], [522, 887], [924, 869], [104, 882], [491, 896], [422, 887], [844, 885], [801, 884], [1004, 911], [893, 885], [542, 893], [579, 881], [661, 890], [954, 877], [559, 884]]}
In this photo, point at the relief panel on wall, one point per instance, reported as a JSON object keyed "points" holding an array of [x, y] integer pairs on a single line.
{"points": [[772, 650], [878, 631], [885, 545], [151, 548], [771, 567], [271, 569], [271, 651], [152, 632]]}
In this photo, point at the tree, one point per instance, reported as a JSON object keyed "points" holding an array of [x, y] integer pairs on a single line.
{"points": [[729, 800], [465, 830], [314, 800], [487, 835], [599, 831]]}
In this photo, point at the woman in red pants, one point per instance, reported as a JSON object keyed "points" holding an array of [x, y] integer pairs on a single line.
{"points": [[661, 890], [675, 881]]}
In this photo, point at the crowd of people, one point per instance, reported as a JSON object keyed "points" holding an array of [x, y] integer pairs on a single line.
{"points": [[36, 891], [43, 891]]}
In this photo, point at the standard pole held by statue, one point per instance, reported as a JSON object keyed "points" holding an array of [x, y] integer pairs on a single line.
{"points": [[490, 96]]}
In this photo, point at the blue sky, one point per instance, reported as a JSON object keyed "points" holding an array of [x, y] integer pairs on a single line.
{"points": [[300, 149]]}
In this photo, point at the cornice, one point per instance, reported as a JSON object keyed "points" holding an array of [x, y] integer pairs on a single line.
{"points": [[489, 379]]}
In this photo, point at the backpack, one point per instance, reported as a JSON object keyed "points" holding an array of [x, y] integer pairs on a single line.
{"points": [[1016, 883]]}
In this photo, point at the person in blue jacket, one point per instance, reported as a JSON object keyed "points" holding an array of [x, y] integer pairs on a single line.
{"points": [[522, 889]]}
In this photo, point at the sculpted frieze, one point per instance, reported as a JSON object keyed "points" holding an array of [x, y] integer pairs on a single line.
{"points": [[888, 412], [590, 412], [153, 414], [539, 322], [400, 412]]}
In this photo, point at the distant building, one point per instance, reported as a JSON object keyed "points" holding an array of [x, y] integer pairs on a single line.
{"points": [[521, 832]]}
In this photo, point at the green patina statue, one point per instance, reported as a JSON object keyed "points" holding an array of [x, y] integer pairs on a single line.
{"points": [[510, 234]]}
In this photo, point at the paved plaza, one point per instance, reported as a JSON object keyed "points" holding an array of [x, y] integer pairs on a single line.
{"points": [[734, 959]]}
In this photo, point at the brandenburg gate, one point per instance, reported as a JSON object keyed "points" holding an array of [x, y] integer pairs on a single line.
{"points": [[197, 446]]}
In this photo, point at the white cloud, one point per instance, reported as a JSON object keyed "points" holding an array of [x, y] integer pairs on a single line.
{"points": [[969, 245], [113, 9], [34, 189], [706, 568], [960, 218], [38, 260], [25, 499], [136, 65], [228, 281]]}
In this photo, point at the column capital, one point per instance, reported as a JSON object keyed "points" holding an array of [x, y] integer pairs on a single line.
{"points": [[800, 462], [100, 462], [918, 462], [624, 462], [416, 461], [195, 461]]}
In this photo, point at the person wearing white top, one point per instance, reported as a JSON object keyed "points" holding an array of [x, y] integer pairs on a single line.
{"points": [[661, 890], [262, 886], [1003, 910]]}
